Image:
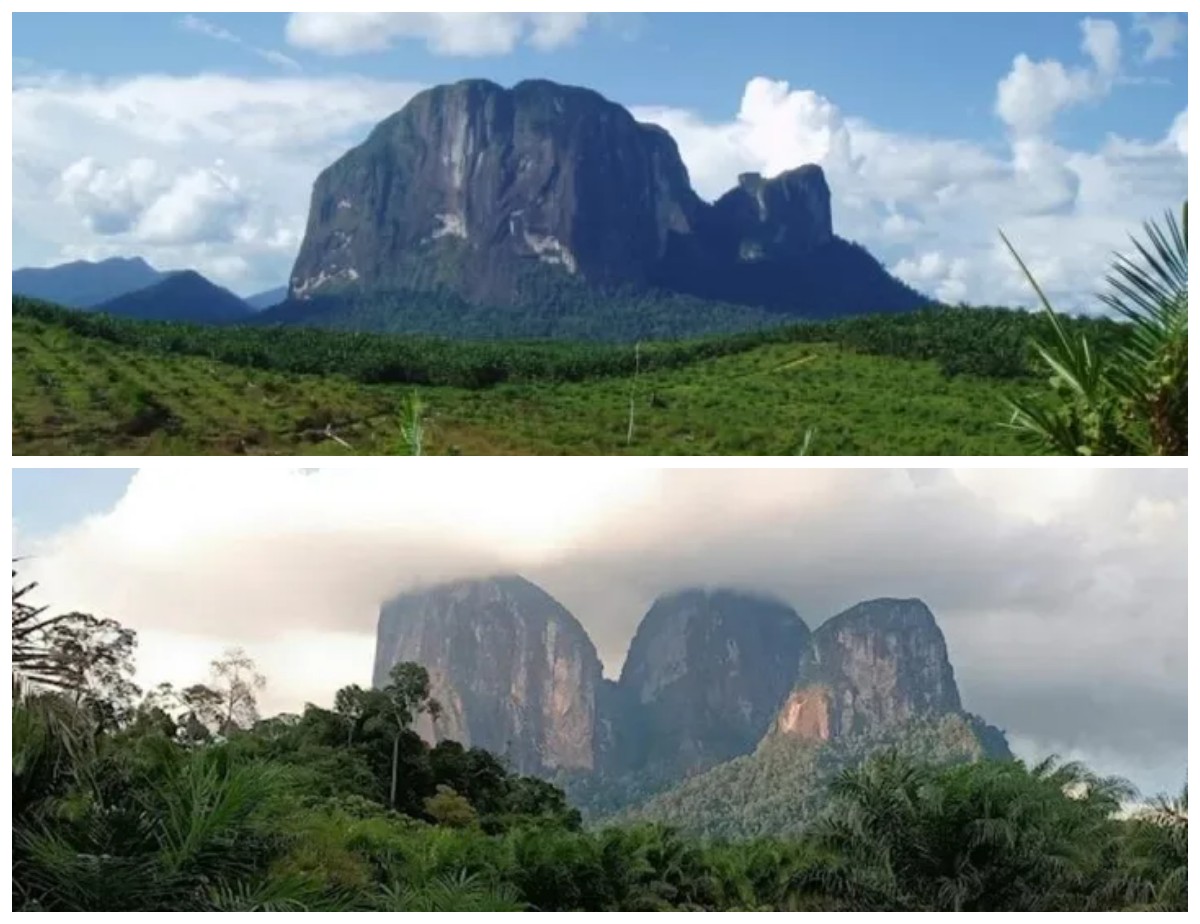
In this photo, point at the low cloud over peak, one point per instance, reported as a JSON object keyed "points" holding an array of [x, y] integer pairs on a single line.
{"points": [[1063, 599]]}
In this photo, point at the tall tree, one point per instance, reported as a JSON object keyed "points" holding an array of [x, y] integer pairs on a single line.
{"points": [[405, 696], [236, 679], [97, 663], [350, 704]]}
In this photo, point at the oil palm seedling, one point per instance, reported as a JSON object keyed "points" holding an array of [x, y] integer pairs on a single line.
{"points": [[1132, 400]]}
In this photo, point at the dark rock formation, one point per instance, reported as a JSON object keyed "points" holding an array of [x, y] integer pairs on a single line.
{"points": [[705, 674], [514, 672], [471, 183], [506, 196], [713, 678], [878, 664], [780, 219]]}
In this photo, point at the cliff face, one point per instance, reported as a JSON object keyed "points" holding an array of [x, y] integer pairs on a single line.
{"points": [[513, 670], [778, 219], [494, 194], [711, 675], [705, 674], [471, 183], [878, 664]]}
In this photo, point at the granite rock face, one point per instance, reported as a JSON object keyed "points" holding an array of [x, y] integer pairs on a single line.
{"points": [[514, 672], [705, 674], [501, 196], [470, 183], [710, 675], [879, 664], [778, 219]]}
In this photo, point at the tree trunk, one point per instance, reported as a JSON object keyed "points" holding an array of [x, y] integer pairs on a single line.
{"points": [[395, 768]]}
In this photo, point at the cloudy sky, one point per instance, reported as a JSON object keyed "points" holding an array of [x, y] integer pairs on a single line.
{"points": [[1062, 593], [194, 140]]}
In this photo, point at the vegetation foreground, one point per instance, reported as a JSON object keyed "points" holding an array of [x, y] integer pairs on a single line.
{"points": [[185, 799], [930, 383]]}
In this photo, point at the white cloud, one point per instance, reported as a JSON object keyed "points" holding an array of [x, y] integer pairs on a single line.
{"points": [[1102, 42], [200, 206], [932, 272], [110, 201], [1063, 597], [1165, 34], [212, 30], [907, 196], [147, 206], [211, 172], [455, 34], [1178, 133], [1033, 93]]}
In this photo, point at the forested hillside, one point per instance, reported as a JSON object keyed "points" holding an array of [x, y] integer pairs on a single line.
{"points": [[185, 798]]}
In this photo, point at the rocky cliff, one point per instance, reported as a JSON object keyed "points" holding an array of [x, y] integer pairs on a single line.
{"points": [[471, 184], [705, 674], [513, 670], [879, 664], [504, 196], [711, 676], [780, 219]]}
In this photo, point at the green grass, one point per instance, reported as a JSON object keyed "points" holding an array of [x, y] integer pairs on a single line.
{"points": [[83, 395]]}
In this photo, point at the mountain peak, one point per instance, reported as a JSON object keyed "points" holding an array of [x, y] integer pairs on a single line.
{"points": [[82, 283], [513, 670], [878, 664], [888, 613], [183, 295], [493, 194], [707, 669]]}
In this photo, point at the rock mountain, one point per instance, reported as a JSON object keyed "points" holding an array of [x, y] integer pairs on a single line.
{"points": [[504, 196], [710, 675]]}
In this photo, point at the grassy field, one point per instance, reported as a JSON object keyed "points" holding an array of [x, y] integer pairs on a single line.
{"points": [[81, 395]]}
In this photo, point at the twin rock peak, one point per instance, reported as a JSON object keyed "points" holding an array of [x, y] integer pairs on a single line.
{"points": [[708, 675]]}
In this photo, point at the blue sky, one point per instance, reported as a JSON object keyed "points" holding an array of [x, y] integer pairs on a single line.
{"points": [[931, 128], [48, 500]]}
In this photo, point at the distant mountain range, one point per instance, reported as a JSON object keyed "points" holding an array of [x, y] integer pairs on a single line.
{"points": [[84, 285], [717, 685], [130, 287]]}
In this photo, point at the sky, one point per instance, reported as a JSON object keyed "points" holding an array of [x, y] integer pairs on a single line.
{"points": [[193, 140], [1062, 593]]}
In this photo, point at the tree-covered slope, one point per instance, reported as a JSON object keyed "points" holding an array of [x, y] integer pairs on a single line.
{"points": [[781, 788]]}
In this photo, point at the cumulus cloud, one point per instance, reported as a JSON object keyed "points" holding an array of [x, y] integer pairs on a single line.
{"points": [[1062, 594], [933, 272], [455, 34], [142, 202], [930, 207], [1033, 93], [210, 172], [1164, 34]]}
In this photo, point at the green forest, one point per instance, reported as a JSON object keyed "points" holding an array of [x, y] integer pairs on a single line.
{"points": [[185, 798], [992, 342]]}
